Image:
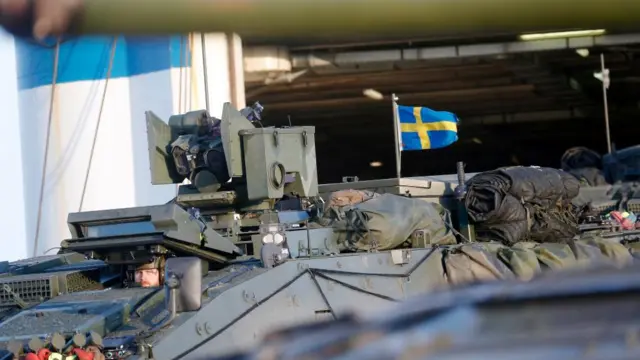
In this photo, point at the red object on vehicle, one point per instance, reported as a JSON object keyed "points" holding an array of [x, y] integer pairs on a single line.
{"points": [[83, 354], [43, 354], [624, 222], [31, 356]]}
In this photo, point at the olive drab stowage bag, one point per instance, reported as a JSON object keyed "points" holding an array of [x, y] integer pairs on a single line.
{"points": [[494, 261], [634, 248], [387, 221], [348, 197], [341, 200], [613, 250], [473, 262], [523, 262]]}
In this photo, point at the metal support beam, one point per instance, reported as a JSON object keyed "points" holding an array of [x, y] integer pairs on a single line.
{"points": [[522, 117], [482, 93], [357, 58]]}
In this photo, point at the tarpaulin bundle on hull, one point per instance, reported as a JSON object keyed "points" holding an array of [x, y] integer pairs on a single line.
{"points": [[365, 220], [523, 203], [494, 261]]}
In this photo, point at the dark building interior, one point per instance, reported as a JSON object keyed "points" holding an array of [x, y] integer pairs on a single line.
{"points": [[515, 107]]}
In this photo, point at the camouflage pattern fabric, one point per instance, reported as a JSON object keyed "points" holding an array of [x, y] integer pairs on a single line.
{"points": [[341, 201], [634, 248], [493, 261], [348, 197], [388, 221]]}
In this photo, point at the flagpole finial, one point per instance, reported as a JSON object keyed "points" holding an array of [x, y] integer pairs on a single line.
{"points": [[394, 97]]}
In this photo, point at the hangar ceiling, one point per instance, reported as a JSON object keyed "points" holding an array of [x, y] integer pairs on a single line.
{"points": [[516, 106]]}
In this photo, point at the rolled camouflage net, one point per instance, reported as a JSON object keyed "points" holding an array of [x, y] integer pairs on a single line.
{"points": [[523, 203]]}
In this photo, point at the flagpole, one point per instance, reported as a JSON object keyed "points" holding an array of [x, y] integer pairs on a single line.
{"points": [[396, 133], [605, 85]]}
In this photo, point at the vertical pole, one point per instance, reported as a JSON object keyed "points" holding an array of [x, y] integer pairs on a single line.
{"points": [[396, 133], [467, 233], [204, 73], [605, 85]]}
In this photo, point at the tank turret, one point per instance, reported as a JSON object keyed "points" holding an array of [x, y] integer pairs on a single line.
{"points": [[244, 184], [229, 162]]}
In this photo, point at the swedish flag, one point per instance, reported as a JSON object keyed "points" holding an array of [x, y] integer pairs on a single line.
{"points": [[422, 128]]}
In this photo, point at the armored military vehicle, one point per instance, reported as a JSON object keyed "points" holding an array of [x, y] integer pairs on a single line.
{"points": [[589, 314], [236, 250], [249, 245]]}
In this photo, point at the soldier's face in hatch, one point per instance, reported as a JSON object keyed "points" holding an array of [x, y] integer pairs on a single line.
{"points": [[148, 277]]}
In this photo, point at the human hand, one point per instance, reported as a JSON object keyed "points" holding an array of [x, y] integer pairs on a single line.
{"points": [[39, 18]]}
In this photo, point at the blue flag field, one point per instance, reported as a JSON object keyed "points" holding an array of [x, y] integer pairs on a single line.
{"points": [[422, 128]]}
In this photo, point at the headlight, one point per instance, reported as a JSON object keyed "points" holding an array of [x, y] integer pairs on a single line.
{"points": [[276, 239], [273, 234]]}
